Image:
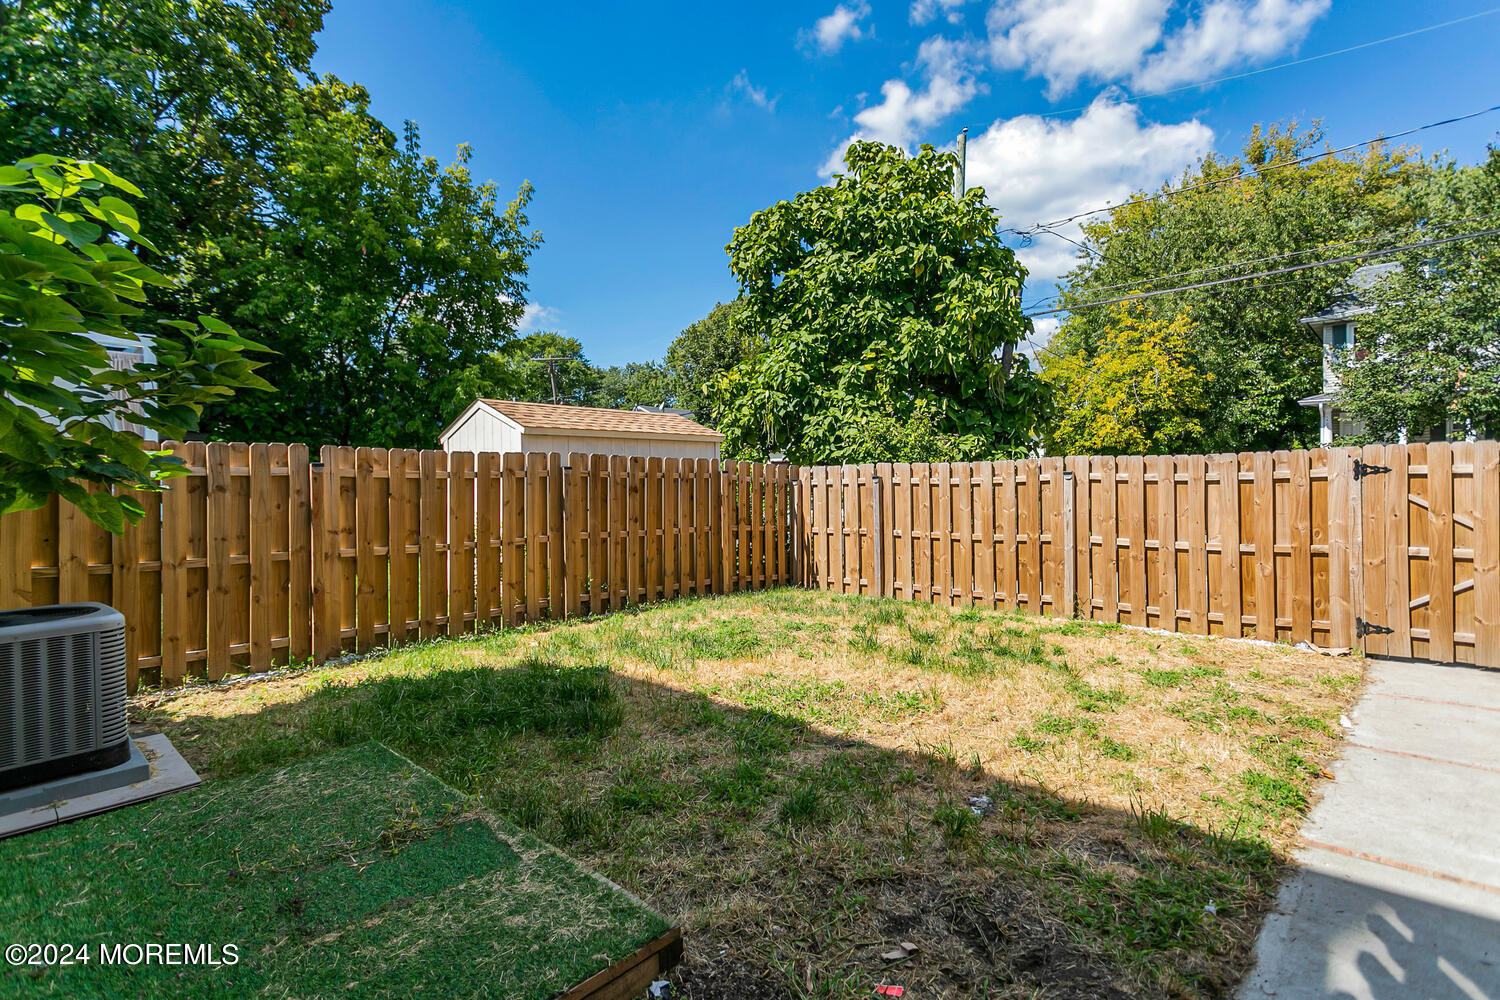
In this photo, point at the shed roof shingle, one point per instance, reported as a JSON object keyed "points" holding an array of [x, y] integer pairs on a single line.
{"points": [[596, 420]]}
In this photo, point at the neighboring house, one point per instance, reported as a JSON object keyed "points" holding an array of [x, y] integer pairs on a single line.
{"points": [[123, 355], [664, 408], [1337, 326], [508, 425]]}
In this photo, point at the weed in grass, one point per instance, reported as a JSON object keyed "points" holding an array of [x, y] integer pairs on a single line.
{"points": [[864, 640], [578, 823], [805, 804], [1310, 723], [1114, 749], [744, 786], [1276, 794], [762, 734], [641, 787], [1017, 803], [915, 656], [969, 614], [1163, 678], [958, 823], [725, 639], [1339, 683], [1055, 725], [1154, 822], [945, 755], [969, 661], [1096, 699], [1281, 755], [1027, 742], [886, 612], [921, 636]]}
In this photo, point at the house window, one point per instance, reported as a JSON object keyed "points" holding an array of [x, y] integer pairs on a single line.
{"points": [[1341, 336]]}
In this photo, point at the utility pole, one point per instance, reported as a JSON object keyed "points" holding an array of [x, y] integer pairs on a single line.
{"points": [[963, 156], [552, 372]]}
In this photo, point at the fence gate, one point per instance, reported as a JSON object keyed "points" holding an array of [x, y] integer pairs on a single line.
{"points": [[1427, 583]]}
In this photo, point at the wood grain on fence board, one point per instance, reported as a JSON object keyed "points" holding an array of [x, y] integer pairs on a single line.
{"points": [[487, 539], [1486, 465]]}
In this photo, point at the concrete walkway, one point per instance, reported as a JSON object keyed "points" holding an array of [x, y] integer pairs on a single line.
{"points": [[1399, 889]]}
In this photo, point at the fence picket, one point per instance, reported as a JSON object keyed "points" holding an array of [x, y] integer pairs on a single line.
{"points": [[1166, 541]]}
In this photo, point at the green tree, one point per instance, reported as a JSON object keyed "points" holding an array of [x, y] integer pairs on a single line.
{"points": [[576, 378], [876, 295], [186, 97], [703, 352], [65, 272], [1248, 335], [914, 437], [1139, 393], [278, 202], [639, 383], [381, 278], [1430, 351]]}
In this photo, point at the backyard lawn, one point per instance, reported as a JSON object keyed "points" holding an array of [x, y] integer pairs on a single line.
{"points": [[789, 773]]}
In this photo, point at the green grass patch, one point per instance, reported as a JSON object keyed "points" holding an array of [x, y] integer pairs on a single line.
{"points": [[351, 874]]}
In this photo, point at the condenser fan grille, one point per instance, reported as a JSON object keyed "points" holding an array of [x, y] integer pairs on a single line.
{"points": [[62, 689]]}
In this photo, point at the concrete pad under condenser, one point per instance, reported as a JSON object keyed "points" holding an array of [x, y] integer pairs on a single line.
{"points": [[155, 768]]}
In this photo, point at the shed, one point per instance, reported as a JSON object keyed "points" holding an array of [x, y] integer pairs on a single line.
{"points": [[509, 425]]}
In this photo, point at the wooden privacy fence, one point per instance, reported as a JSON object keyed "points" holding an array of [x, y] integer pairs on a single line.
{"points": [[259, 557], [1330, 547]]}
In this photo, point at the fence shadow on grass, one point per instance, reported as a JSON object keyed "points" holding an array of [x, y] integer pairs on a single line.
{"points": [[795, 857]]}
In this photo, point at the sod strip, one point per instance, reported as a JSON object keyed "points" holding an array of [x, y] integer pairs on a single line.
{"points": [[356, 874]]}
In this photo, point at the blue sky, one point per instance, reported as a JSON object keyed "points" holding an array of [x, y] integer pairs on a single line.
{"points": [[651, 132]]}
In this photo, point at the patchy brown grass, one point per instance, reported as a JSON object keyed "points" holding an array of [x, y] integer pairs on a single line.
{"points": [[788, 772]]}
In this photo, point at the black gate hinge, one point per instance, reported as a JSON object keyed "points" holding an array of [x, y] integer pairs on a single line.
{"points": [[1363, 628], [1363, 469]]}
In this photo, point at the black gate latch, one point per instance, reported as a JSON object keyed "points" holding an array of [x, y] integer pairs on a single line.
{"points": [[1363, 469], [1363, 628]]}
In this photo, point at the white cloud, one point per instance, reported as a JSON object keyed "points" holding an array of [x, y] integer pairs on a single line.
{"points": [[1037, 169], [950, 81], [755, 95], [1066, 41], [1069, 41], [1226, 34], [925, 11], [831, 31], [535, 316]]}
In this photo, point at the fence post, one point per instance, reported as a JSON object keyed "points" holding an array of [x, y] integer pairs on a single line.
{"points": [[1070, 548], [877, 540]]}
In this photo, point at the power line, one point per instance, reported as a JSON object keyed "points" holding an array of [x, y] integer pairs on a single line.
{"points": [[1241, 175], [1267, 274], [1136, 99], [1278, 256]]}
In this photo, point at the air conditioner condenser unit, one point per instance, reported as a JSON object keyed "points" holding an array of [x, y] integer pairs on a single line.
{"points": [[62, 692]]}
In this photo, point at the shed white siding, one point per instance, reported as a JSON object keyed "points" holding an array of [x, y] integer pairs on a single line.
{"points": [[631, 446], [483, 430]]}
